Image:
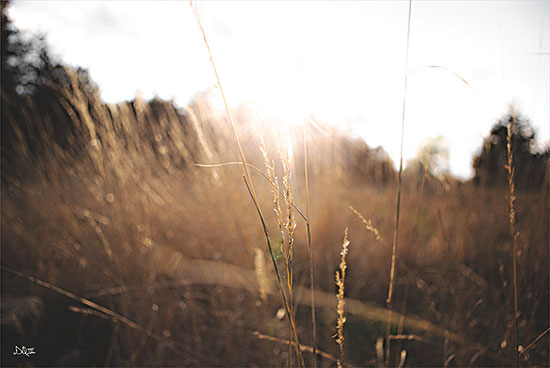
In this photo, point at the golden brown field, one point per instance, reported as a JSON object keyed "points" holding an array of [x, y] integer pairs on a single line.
{"points": [[172, 261], [132, 235]]}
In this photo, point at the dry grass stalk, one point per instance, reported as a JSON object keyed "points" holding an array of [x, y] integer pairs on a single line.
{"points": [[275, 189], [280, 282], [510, 173], [340, 279], [99, 232], [368, 224], [290, 226], [226, 106], [532, 343], [96, 308], [398, 199], [310, 349], [250, 187], [290, 223], [259, 172], [310, 254]]}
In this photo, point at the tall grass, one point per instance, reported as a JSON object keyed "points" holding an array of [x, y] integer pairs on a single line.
{"points": [[159, 225], [514, 235], [389, 300], [340, 282], [290, 224], [310, 255], [165, 250]]}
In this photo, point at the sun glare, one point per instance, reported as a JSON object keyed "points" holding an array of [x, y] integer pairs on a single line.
{"points": [[279, 97]]}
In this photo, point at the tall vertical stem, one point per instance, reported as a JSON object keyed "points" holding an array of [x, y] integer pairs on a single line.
{"points": [[389, 301], [510, 171], [310, 254], [250, 187]]}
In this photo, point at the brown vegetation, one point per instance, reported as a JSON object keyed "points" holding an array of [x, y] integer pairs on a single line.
{"points": [[129, 239], [125, 219]]}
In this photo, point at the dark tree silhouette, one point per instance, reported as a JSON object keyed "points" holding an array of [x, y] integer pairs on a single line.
{"points": [[364, 162], [26, 60], [8, 75], [34, 112], [530, 166]]}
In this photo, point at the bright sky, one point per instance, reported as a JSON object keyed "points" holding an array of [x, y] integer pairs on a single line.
{"points": [[342, 62]]}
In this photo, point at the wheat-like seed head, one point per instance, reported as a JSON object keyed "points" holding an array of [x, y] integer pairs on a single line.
{"points": [[275, 189], [340, 279], [287, 195], [368, 224]]}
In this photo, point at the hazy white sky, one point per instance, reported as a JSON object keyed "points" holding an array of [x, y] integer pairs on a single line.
{"points": [[343, 62]]}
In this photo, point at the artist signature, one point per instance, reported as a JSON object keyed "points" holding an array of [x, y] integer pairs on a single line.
{"points": [[24, 351]]}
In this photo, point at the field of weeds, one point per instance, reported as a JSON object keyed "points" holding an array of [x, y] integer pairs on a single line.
{"points": [[124, 252], [141, 234]]}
